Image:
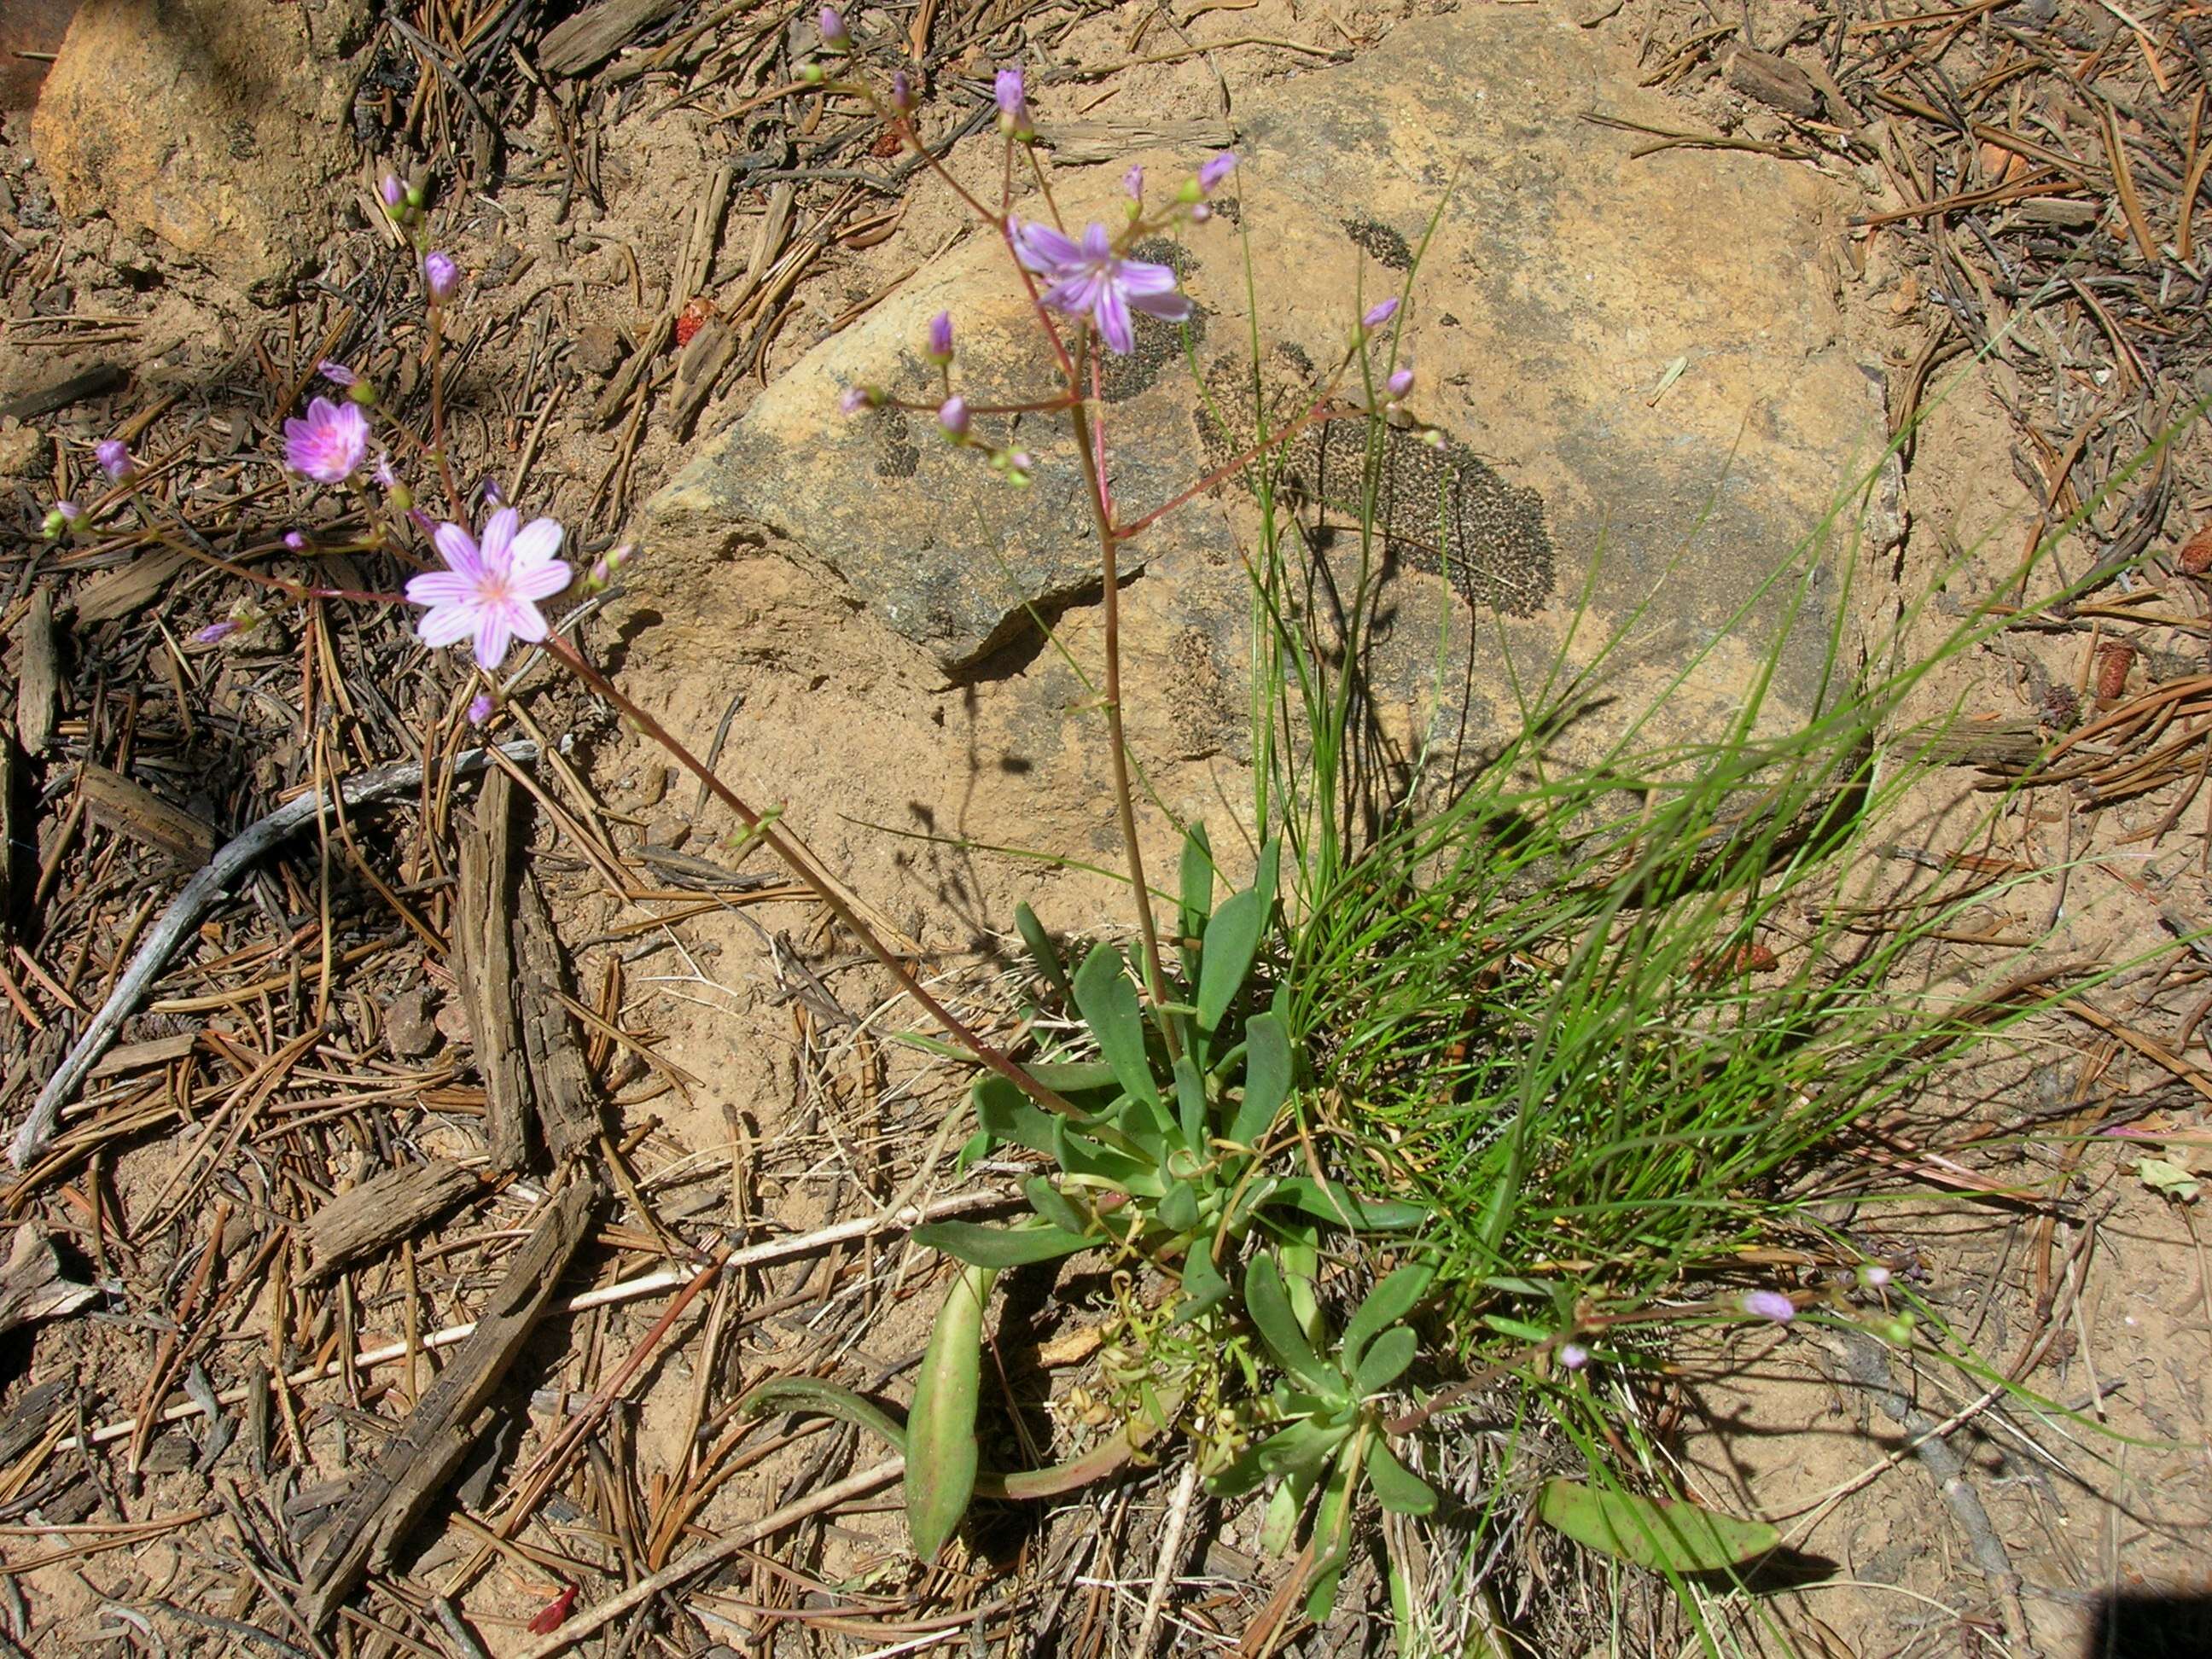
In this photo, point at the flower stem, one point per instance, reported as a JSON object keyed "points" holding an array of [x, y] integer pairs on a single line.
{"points": [[803, 868], [1125, 804]]}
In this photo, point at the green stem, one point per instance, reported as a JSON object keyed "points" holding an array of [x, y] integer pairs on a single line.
{"points": [[1125, 805]]}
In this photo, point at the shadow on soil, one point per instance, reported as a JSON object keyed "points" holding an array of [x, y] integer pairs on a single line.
{"points": [[2151, 1627]]}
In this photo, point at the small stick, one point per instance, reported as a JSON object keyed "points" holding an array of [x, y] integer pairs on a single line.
{"points": [[184, 913], [629, 1290], [853, 1486]]}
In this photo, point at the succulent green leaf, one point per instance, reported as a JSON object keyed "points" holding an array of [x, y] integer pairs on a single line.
{"points": [[1297, 1452], [1178, 1210], [1108, 1004], [1197, 894], [1279, 1525], [1269, 1305], [1398, 1295], [999, 1247], [1232, 941], [941, 1453], [1268, 1070], [1204, 1288], [1049, 1202], [1190, 1103], [1337, 1203], [1332, 1535], [800, 1394], [1520, 1329], [1088, 1084], [1008, 1115], [1384, 1361], [1397, 1488], [1044, 953], [1657, 1533]]}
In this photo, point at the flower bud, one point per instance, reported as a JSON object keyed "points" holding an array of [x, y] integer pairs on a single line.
{"points": [[60, 519], [1873, 1275], [1573, 1356], [601, 576], [481, 707], [1015, 120], [812, 75], [296, 541], [336, 371], [215, 631], [1400, 383], [854, 398], [401, 497], [1769, 1304], [441, 275], [835, 36], [361, 393], [1380, 312], [1214, 169], [902, 98], [392, 193], [1133, 184], [952, 416], [115, 460], [940, 339]]}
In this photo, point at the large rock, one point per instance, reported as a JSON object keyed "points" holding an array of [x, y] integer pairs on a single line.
{"points": [[1585, 491], [217, 124]]}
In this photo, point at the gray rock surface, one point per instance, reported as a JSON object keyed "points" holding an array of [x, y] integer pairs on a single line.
{"points": [[218, 125], [1559, 282]]}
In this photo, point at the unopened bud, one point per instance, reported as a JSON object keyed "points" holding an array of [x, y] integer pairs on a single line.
{"points": [[601, 576], [952, 416]]}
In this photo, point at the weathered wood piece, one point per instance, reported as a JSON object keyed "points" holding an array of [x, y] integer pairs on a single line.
{"points": [[386, 1499], [94, 382], [483, 962], [38, 674], [32, 1284], [144, 1056], [1085, 144], [598, 33], [386, 1208], [560, 1089], [2001, 743], [128, 588], [1774, 81], [130, 808]]}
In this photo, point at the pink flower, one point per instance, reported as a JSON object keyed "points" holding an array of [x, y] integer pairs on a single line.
{"points": [[1769, 1304], [328, 444], [1214, 169], [115, 460], [336, 371], [441, 275], [481, 707], [1093, 280], [489, 592], [1013, 101]]}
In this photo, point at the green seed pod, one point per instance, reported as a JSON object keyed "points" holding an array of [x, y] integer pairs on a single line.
{"points": [[941, 1455]]}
